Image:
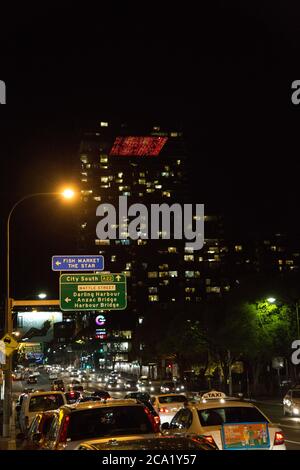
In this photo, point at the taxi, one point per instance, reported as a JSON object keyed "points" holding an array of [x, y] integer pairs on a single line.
{"points": [[228, 423]]}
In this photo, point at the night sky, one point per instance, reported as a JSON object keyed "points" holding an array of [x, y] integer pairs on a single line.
{"points": [[223, 73]]}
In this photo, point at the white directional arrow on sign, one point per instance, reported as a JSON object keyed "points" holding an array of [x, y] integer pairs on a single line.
{"points": [[68, 300], [58, 263], [118, 277]]}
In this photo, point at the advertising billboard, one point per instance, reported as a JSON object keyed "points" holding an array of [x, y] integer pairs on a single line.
{"points": [[37, 327], [137, 146]]}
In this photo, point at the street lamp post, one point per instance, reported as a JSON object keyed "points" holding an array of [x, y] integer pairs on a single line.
{"points": [[7, 403]]}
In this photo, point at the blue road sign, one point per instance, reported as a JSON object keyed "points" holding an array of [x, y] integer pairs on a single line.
{"points": [[78, 263]]}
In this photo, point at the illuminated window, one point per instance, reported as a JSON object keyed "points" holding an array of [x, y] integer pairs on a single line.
{"points": [[289, 262], [142, 181], [280, 261], [197, 273], [103, 124], [84, 180], [120, 175], [83, 225], [150, 190], [189, 273], [128, 266], [102, 242], [188, 257], [152, 274], [216, 290], [165, 174], [164, 282], [104, 179], [113, 258], [190, 289], [172, 249], [142, 175], [164, 266], [164, 274], [84, 158], [238, 248], [97, 198], [178, 162], [103, 159], [174, 134], [188, 299], [153, 298], [200, 258], [165, 193], [152, 290], [158, 186], [127, 273], [207, 282], [86, 192], [173, 273]]}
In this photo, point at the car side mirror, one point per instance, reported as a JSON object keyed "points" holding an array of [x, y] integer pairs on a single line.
{"points": [[165, 426], [36, 437]]}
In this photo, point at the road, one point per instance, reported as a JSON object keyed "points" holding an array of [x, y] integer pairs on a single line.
{"points": [[272, 408]]}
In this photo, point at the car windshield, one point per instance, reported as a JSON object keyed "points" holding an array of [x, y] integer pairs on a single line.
{"points": [[296, 394], [234, 414], [108, 421], [45, 402], [173, 399]]}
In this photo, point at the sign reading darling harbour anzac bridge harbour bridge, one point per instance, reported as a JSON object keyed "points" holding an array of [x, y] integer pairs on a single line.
{"points": [[92, 291]]}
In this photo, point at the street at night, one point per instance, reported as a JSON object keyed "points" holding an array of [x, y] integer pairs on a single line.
{"points": [[150, 232]]}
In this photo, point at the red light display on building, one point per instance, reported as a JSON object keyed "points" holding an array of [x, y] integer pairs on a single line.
{"points": [[138, 146]]}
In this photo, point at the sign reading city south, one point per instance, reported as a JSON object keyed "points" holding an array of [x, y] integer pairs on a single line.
{"points": [[92, 292], [77, 263]]}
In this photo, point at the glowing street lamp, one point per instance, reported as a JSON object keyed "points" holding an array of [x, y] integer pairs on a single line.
{"points": [[68, 193], [42, 295], [271, 300]]}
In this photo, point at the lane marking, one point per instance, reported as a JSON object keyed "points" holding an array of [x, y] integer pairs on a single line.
{"points": [[290, 427], [293, 442]]}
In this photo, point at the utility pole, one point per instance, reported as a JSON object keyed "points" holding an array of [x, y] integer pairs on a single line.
{"points": [[229, 373]]}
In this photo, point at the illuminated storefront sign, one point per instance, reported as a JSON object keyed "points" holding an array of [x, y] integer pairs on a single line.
{"points": [[138, 146]]}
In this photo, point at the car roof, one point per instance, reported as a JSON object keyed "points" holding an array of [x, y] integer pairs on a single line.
{"points": [[105, 404], [218, 404], [169, 395], [45, 392]]}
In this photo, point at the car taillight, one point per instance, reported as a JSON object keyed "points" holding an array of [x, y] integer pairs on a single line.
{"points": [[63, 434], [153, 419], [210, 440], [163, 410], [279, 439]]}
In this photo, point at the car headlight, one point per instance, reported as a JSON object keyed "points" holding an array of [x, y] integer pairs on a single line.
{"points": [[295, 411], [182, 387], [167, 389], [118, 386]]}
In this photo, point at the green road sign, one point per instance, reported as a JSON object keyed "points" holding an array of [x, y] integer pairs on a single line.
{"points": [[92, 291]]}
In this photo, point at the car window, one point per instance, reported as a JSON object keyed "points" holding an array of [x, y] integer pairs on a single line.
{"points": [[34, 426], [45, 402], [183, 419], [109, 421], [53, 430], [236, 414], [46, 425], [172, 399]]}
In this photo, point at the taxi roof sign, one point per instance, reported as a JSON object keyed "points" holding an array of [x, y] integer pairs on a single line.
{"points": [[213, 395]]}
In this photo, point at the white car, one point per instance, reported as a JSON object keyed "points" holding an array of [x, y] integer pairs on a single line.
{"points": [[35, 402], [291, 403], [227, 423], [167, 405], [53, 376]]}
